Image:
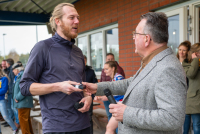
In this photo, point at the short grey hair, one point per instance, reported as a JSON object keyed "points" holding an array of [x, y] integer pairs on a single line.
{"points": [[156, 26]]}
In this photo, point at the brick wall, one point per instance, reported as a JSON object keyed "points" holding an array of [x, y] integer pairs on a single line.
{"points": [[96, 13]]}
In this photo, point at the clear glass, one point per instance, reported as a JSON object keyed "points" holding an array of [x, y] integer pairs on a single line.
{"points": [[96, 42], [173, 29], [82, 44], [112, 42], [199, 24]]}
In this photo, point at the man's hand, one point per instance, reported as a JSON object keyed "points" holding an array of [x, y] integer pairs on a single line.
{"points": [[68, 88], [87, 102], [194, 55], [117, 111], [100, 98], [90, 88], [16, 101]]}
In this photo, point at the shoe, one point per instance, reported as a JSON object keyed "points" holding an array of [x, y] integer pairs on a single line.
{"points": [[16, 131], [17, 125], [7, 125], [4, 123], [2, 120]]}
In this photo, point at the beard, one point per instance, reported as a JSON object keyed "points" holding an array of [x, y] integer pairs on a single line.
{"points": [[66, 31]]}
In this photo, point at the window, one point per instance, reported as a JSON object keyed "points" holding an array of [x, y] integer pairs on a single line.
{"points": [[95, 44], [82, 44], [173, 30], [96, 51], [112, 42]]}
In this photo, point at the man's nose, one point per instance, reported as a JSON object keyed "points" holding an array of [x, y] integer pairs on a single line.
{"points": [[76, 21]]}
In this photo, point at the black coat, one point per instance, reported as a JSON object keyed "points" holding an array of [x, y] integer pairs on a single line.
{"points": [[90, 75]]}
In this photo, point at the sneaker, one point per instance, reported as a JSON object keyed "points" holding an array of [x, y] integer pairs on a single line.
{"points": [[16, 131], [7, 125], [4, 123]]}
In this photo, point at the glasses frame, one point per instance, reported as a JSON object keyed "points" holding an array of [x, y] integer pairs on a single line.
{"points": [[134, 34]]}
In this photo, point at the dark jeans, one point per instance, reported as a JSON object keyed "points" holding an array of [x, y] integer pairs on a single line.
{"points": [[83, 131], [196, 123], [91, 122]]}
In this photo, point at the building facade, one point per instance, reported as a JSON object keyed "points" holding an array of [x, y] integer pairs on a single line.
{"points": [[107, 25]]}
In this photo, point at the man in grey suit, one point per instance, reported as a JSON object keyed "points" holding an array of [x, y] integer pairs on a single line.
{"points": [[155, 97]]}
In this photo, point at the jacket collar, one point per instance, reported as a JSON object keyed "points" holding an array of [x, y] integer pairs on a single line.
{"points": [[148, 68], [57, 38]]}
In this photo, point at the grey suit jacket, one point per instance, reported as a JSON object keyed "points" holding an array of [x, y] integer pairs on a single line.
{"points": [[155, 97]]}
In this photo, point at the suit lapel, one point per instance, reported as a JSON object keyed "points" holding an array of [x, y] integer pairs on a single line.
{"points": [[148, 68], [139, 77]]}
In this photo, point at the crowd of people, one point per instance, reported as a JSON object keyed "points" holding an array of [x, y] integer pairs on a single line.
{"points": [[15, 108], [162, 97]]}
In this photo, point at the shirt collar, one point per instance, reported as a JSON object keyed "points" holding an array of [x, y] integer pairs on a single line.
{"points": [[57, 38], [148, 58]]}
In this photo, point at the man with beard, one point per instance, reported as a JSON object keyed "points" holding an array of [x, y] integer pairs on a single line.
{"points": [[3, 64], [52, 66]]}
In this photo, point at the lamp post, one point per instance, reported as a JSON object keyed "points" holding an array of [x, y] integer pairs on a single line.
{"points": [[4, 46]]}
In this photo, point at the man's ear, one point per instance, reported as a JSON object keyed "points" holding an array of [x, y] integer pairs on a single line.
{"points": [[57, 21], [147, 40]]}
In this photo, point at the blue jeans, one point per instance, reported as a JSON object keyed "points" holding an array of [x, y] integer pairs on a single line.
{"points": [[4, 113], [196, 123], [15, 111], [106, 105], [10, 111]]}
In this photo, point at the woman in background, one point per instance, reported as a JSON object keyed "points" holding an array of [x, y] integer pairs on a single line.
{"points": [[3, 109], [110, 69], [183, 49], [22, 103], [192, 70]]}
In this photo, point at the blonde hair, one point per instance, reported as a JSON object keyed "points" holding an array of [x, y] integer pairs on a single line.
{"points": [[194, 49], [57, 13]]}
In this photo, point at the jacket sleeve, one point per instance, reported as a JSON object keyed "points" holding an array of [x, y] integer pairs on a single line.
{"points": [[101, 79], [170, 97], [94, 78], [18, 96], [4, 85], [191, 71], [34, 67], [116, 87]]}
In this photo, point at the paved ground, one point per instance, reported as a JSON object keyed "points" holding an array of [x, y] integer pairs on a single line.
{"points": [[8, 130]]}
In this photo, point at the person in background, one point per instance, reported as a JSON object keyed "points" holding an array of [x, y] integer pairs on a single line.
{"points": [[104, 77], [3, 89], [11, 112], [183, 49], [1, 118], [192, 70], [22, 103], [5, 70], [91, 78], [3, 64], [110, 69]]}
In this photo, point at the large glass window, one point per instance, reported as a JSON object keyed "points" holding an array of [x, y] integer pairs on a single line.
{"points": [[173, 29], [82, 44], [96, 51], [97, 43], [112, 43]]}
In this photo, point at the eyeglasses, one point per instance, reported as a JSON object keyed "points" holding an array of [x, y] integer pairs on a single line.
{"points": [[134, 34]]}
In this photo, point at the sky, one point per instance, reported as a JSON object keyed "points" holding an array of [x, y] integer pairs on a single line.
{"points": [[21, 38]]}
